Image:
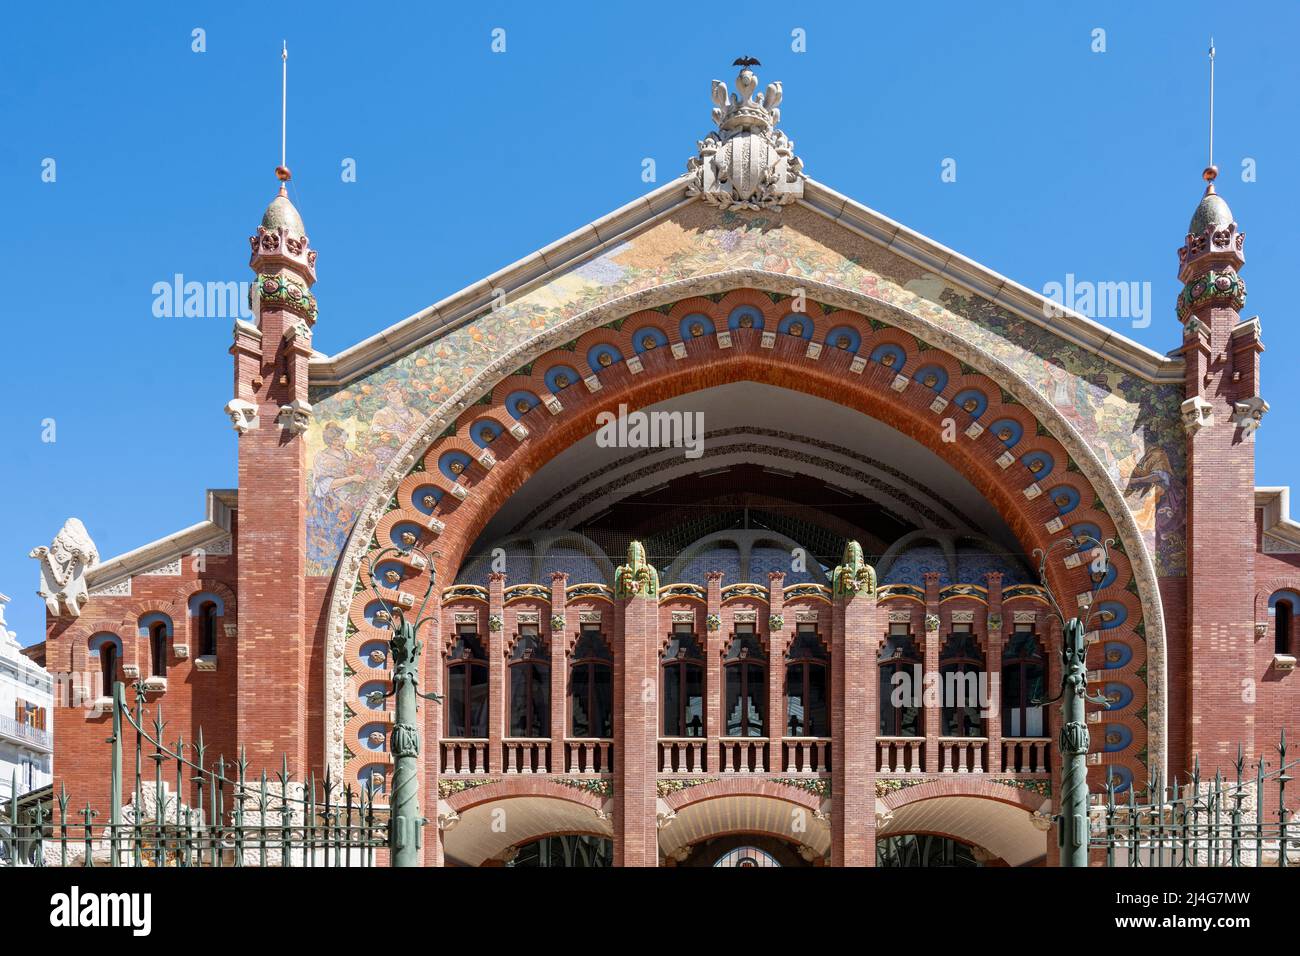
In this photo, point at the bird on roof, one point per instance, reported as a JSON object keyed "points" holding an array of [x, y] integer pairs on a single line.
{"points": [[746, 62]]}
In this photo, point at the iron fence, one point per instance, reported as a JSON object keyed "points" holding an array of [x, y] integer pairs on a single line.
{"points": [[1236, 822], [231, 819]]}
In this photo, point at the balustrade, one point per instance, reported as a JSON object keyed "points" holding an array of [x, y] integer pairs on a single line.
{"points": [[963, 754], [588, 755], [1026, 754], [900, 754], [806, 755], [742, 755], [681, 755], [526, 755], [462, 755]]}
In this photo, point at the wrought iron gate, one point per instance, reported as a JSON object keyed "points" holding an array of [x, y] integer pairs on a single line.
{"points": [[1202, 823], [231, 819]]}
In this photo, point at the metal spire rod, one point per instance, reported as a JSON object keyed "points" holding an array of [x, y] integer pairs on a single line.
{"points": [[1211, 162], [284, 97]]}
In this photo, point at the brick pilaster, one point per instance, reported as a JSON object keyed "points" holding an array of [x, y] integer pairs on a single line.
{"points": [[932, 717], [714, 644], [857, 626], [993, 644], [777, 642], [559, 670], [498, 719], [636, 836]]}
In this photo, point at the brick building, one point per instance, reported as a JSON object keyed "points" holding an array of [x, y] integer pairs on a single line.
{"points": [[718, 489]]}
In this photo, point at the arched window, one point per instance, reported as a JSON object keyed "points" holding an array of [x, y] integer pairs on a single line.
{"points": [[591, 686], [961, 668], [467, 685], [1024, 670], [208, 629], [109, 649], [1282, 606], [158, 649], [745, 670], [683, 684], [807, 686], [530, 686], [900, 666]]}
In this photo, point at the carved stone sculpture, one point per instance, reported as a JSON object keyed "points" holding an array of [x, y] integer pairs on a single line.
{"points": [[747, 162], [243, 414], [63, 569]]}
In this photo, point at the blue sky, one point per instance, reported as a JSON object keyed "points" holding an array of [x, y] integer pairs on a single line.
{"points": [[1068, 161]]}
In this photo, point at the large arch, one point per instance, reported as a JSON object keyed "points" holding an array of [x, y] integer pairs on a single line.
{"points": [[866, 385]]}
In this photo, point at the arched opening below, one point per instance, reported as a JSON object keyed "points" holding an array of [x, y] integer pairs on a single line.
{"points": [[567, 851], [928, 850], [994, 829]]}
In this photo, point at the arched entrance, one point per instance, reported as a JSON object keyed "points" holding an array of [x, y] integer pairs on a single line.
{"points": [[997, 435]]}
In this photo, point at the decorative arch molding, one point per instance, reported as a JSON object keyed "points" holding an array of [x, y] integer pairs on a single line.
{"points": [[716, 789], [927, 330], [1027, 800], [521, 787]]}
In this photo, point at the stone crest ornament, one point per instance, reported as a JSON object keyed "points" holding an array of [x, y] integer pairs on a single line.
{"points": [[747, 162], [63, 569], [243, 415], [1248, 415], [1197, 413]]}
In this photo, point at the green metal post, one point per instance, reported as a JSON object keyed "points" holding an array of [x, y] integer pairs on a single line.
{"points": [[1072, 823], [115, 793], [405, 827]]}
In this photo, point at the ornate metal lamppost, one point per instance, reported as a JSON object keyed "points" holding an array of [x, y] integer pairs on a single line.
{"points": [[1072, 820], [398, 610]]}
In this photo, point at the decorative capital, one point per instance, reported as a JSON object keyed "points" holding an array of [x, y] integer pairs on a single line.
{"points": [[775, 622], [713, 622], [637, 578], [853, 576], [747, 163], [282, 292], [932, 623], [1214, 287]]}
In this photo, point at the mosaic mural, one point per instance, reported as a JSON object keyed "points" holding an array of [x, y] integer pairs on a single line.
{"points": [[1133, 425]]}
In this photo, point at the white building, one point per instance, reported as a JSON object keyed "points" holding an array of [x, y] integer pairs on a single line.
{"points": [[26, 717]]}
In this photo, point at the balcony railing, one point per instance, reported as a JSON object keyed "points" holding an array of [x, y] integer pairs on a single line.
{"points": [[1026, 754], [742, 755], [809, 755], [588, 755], [26, 734], [900, 754], [681, 755], [526, 755], [463, 755], [963, 754]]}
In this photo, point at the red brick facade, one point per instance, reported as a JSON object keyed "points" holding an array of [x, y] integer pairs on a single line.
{"points": [[265, 692]]}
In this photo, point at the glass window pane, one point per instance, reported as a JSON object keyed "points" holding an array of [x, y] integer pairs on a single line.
{"points": [[694, 701], [579, 695], [602, 707]]}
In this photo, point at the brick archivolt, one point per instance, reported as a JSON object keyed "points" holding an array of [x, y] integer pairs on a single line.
{"points": [[862, 377]]}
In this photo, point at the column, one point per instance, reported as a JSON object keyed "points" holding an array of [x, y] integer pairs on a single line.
{"points": [[993, 642], [932, 716], [559, 670], [498, 720]]}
